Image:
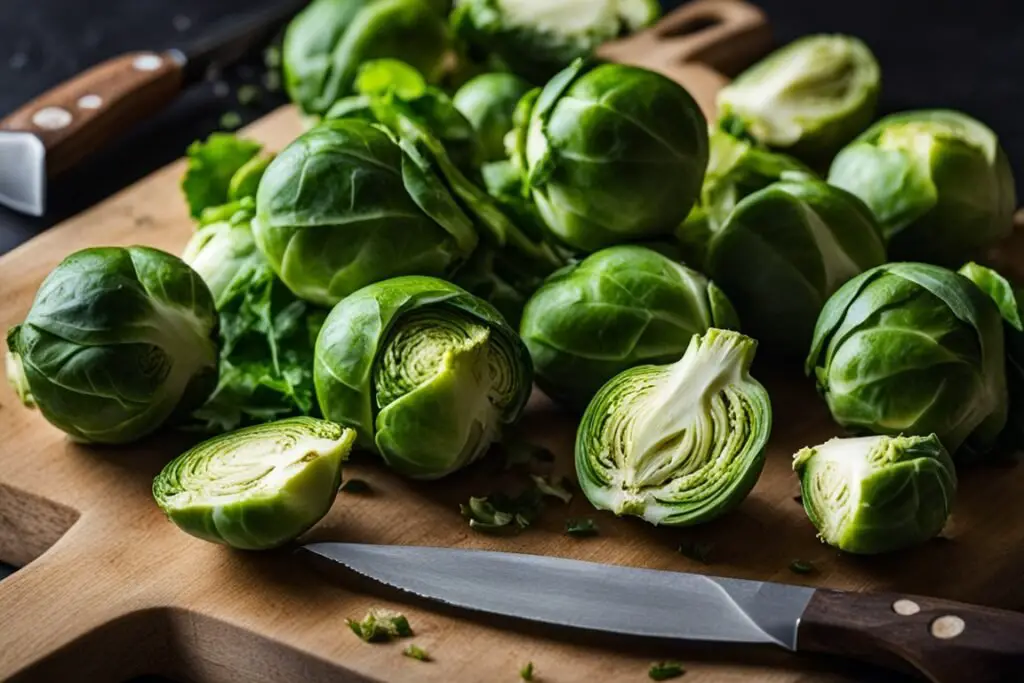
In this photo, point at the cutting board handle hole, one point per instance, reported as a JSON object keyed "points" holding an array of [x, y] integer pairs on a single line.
{"points": [[691, 25]]}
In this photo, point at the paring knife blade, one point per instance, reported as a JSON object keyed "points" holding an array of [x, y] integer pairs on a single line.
{"points": [[586, 595]]}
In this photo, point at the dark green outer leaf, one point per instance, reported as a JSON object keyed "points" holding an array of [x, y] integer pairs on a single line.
{"points": [[211, 167], [351, 338]]}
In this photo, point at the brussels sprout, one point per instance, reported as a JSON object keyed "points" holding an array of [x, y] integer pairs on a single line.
{"points": [[343, 206], [736, 169], [620, 307], [677, 444], [118, 341], [876, 494], [784, 250], [536, 38], [937, 180], [612, 153], [489, 102], [912, 348], [809, 98], [1008, 298], [431, 106], [426, 373], [326, 42], [258, 487]]}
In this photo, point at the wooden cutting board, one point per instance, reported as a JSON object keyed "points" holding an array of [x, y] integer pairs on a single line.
{"points": [[111, 589]]}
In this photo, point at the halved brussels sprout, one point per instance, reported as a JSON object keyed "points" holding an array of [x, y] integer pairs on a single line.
{"points": [[325, 44], [784, 250], [118, 341], [876, 494], [426, 373], [537, 38], [736, 169], [343, 206], [618, 308], [915, 349], [489, 101], [937, 180], [1008, 298], [256, 488], [612, 153], [677, 444], [808, 98]]}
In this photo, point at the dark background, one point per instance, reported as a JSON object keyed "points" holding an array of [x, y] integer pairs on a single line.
{"points": [[962, 54]]}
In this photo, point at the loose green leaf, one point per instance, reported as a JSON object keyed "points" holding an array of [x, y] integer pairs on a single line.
{"points": [[663, 671], [801, 567], [581, 528], [381, 625], [416, 652], [557, 489], [696, 550], [501, 514], [356, 486], [211, 165], [526, 673]]}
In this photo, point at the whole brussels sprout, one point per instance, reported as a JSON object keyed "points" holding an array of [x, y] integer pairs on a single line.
{"points": [[784, 250], [618, 308], [387, 78], [489, 101], [326, 42], [912, 348], [677, 444], [537, 38], [612, 153], [256, 488], [808, 98], [736, 169], [1007, 297], [876, 494], [937, 180], [343, 206], [426, 373], [118, 341]]}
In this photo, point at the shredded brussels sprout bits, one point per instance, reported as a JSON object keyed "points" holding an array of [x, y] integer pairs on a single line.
{"points": [[678, 444], [258, 487], [875, 494]]}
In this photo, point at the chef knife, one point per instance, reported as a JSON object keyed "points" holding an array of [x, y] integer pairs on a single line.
{"points": [[59, 128], [947, 642]]}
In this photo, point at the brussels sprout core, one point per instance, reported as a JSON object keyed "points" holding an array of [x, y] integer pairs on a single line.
{"points": [[678, 444], [258, 487], [16, 378], [875, 494]]}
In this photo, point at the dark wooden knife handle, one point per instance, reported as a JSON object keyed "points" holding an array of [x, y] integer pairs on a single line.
{"points": [[945, 641], [82, 115]]}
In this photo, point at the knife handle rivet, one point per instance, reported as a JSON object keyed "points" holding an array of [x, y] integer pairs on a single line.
{"points": [[949, 626], [52, 118], [905, 608], [148, 62], [90, 102]]}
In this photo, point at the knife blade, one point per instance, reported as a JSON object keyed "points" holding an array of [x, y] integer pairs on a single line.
{"points": [[948, 642], [59, 128]]}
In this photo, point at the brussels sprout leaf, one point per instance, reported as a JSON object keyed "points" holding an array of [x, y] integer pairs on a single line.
{"points": [[380, 625], [663, 671], [416, 652], [581, 528], [554, 489], [695, 550], [501, 514], [211, 165], [801, 567], [526, 673]]}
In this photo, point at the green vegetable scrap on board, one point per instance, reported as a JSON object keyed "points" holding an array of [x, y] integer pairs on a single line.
{"points": [[382, 625]]}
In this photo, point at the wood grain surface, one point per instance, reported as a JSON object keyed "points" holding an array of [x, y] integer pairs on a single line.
{"points": [[112, 589]]}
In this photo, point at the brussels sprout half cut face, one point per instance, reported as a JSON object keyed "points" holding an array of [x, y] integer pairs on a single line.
{"points": [[620, 307], [875, 494], [258, 487], [810, 97], [679, 444], [118, 341], [915, 349], [426, 373]]}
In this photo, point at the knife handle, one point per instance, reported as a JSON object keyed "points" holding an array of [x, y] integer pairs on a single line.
{"points": [[84, 114], [946, 641]]}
